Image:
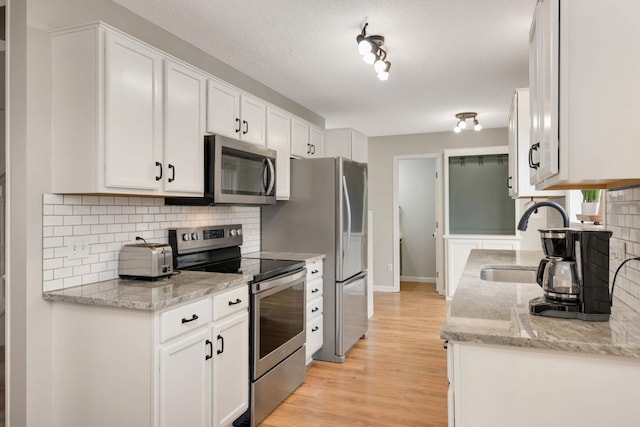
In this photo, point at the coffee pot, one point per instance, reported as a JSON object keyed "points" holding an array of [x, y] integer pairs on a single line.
{"points": [[574, 275]]}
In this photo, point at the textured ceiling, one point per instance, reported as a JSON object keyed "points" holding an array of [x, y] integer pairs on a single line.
{"points": [[447, 56]]}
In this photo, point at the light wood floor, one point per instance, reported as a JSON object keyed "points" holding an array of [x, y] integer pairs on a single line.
{"points": [[396, 377]]}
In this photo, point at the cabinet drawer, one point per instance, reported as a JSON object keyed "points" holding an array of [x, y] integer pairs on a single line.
{"points": [[314, 335], [314, 270], [184, 318], [233, 301], [314, 288], [314, 308]]}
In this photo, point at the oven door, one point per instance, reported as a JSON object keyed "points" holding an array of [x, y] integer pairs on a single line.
{"points": [[278, 320], [243, 173]]}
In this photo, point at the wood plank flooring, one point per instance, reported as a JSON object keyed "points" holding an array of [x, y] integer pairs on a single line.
{"points": [[396, 377]]}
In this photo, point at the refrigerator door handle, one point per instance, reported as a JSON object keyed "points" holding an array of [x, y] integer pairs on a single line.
{"points": [[348, 206]]}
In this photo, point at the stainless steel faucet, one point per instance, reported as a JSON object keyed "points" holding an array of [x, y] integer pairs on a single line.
{"points": [[524, 221]]}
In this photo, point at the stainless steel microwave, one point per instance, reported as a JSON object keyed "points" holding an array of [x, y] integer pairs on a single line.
{"points": [[235, 173]]}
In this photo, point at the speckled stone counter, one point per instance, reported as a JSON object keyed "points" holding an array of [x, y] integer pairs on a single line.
{"points": [[498, 313], [292, 256], [150, 295]]}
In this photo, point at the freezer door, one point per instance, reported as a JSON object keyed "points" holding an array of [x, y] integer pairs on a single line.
{"points": [[351, 312], [351, 251]]}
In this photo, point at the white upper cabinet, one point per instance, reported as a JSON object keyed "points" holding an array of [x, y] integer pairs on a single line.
{"points": [[347, 143], [223, 109], [316, 141], [279, 139], [234, 114], [518, 182], [254, 120], [184, 94], [583, 87], [132, 106], [117, 117], [300, 146]]}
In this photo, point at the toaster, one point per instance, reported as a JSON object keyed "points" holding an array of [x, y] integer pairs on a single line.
{"points": [[145, 261]]}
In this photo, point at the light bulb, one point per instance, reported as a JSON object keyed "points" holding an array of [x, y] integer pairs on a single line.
{"points": [[379, 66], [457, 129], [369, 58], [383, 75], [476, 125], [462, 124], [364, 47]]}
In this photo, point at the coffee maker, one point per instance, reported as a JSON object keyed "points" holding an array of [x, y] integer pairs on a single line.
{"points": [[574, 274]]}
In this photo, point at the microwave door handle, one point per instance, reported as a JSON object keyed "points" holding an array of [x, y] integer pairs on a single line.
{"points": [[265, 176], [272, 176], [348, 208]]}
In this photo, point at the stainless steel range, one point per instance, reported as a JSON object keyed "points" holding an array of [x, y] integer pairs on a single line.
{"points": [[277, 310]]}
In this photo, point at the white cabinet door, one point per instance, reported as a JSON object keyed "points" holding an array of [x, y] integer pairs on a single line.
{"points": [[254, 120], [544, 75], [185, 381], [231, 368], [223, 110], [359, 147], [512, 180], [133, 114], [457, 253], [316, 142], [300, 146], [184, 95], [279, 139]]}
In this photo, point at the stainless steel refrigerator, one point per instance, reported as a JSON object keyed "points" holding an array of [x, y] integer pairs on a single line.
{"points": [[327, 213]]}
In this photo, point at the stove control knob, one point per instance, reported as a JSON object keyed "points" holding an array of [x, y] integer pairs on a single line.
{"points": [[239, 231], [232, 232], [186, 237], [194, 236]]}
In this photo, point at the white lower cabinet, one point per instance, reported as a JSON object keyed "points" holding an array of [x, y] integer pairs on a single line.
{"points": [[314, 308], [458, 249], [185, 381], [503, 386], [230, 385], [186, 366]]}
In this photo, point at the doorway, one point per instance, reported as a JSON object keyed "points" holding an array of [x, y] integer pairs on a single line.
{"points": [[417, 219]]}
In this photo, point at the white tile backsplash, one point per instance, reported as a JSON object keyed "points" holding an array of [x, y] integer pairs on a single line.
{"points": [[623, 219], [110, 222]]}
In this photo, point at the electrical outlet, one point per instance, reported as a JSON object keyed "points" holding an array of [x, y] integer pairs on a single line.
{"points": [[390, 267], [78, 247], [618, 250]]}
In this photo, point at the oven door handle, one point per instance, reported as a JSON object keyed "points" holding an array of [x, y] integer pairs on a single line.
{"points": [[280, 281]]}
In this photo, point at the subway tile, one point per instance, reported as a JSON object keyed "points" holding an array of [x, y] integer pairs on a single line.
{"points": [[72, 199], [90, 278], [114, 210], [128, 210], [106, 219], [107, 200], [61, 273], [52, 199], [70, 282], [63, 231], [47, 210], [98, 229], [81, 270], [52, 220], [72, 220], [80, 230], [121, 201], [52, 285], [98, 210], [52, 242]]}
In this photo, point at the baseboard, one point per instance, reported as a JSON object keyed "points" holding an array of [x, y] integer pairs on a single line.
{"points": [[417, 279]]}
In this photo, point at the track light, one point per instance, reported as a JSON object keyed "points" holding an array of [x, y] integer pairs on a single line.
{"points": [[462, 124], [373, 53]]}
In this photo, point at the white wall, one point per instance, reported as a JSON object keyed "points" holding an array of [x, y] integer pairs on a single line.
{"points": [[416, 196], [381, 152]]}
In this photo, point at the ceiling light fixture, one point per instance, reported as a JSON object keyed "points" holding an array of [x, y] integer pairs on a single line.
{"points": [[462, 124], [373, 53]]}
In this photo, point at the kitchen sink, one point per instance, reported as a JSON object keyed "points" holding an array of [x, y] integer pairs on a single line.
{"points": [[508, 274]]}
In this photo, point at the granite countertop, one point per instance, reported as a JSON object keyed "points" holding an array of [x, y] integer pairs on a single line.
{"points": [[150, 295], [291, 256], [498, 313]]}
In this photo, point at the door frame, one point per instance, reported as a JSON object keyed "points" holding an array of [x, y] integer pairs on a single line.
{"points": [[439, 217]]}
